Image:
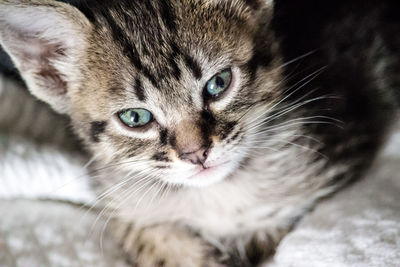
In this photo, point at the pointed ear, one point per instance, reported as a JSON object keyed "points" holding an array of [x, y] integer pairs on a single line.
{"points": [[253, 11], [46, 40]]}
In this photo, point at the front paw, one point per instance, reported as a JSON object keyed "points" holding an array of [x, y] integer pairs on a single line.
{"points": [[164, 246]]}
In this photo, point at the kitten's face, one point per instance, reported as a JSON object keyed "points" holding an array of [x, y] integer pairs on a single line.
{"points": [[173, 90], [179, 108]]}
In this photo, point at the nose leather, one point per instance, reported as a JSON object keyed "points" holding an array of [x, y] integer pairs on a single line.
{"points": [[197, 157]]}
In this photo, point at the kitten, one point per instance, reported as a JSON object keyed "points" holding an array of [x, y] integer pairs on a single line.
{"points": [[215, 125]]}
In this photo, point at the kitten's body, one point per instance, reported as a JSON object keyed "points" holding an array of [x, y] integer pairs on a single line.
{"points": [[308, 110]]}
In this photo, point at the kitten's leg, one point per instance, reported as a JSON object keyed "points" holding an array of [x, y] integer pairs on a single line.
{"points": [[164, 245], [256, 248]]}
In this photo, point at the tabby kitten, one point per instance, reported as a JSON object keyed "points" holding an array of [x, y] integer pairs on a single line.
{"points": [[215, 125]]}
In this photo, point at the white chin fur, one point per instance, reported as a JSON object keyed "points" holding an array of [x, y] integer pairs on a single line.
{"points": [[213, 176]]}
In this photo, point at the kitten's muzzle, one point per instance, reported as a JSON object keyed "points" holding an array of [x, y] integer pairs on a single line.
{"points": [[197, 157]]}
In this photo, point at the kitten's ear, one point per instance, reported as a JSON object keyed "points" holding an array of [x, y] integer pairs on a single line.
{"points": [[257, 4], [46, 40], [253, 11]]}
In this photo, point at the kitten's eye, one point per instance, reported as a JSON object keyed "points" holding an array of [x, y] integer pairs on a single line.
{"points": [[219, 83], [135, 117]]}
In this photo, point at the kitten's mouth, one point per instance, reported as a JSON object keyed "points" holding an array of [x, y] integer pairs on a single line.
{"points": [[207, 171], [208, 175], [204, 172]]}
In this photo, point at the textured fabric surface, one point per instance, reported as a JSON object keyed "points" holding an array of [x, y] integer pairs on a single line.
{"points": [[53, 234]]}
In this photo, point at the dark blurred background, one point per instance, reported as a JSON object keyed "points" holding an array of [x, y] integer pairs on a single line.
{"points": [[6, 66]]}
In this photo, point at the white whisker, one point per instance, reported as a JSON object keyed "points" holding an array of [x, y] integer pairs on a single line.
{"points": [[128, 195]]}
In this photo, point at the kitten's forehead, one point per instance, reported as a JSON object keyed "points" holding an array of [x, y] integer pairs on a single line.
{"points": [[159, 36]]}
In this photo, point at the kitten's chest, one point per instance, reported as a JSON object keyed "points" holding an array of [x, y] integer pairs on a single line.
{"points": [[224, 210], [217, 215]]}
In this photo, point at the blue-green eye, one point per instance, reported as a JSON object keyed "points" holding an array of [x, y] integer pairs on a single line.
{"points": [[219, 83], [135, 117]]}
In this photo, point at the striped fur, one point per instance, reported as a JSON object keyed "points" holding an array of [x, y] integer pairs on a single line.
{"points": [[292, 127]]}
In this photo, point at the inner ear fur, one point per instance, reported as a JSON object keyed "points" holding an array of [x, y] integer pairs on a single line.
{"points": [[46, 41]]}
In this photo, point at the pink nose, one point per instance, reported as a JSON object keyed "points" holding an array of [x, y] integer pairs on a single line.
{"points": [[197, 157]]}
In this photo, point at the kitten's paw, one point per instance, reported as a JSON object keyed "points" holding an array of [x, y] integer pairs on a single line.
{"points": [[165, 246]]}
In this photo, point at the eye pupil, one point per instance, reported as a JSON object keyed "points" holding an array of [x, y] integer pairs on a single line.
{"points": [[135, 117], [220, 82]]}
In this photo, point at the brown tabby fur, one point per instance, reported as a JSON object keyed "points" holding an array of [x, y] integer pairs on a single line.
{"points": [[291, 129]]}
